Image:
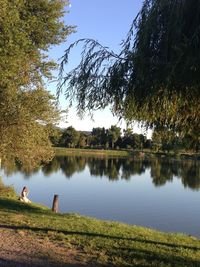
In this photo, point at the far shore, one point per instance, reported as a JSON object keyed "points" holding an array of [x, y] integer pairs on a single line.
{"points": [[145, 153]]}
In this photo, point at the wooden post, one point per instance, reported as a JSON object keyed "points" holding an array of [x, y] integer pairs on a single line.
{"points": [[55, 204]]}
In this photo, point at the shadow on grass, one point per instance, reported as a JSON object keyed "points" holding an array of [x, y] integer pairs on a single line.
{"points": [[156, 258], [100, 235], [13, 263], [15, 205], [126, 252], [131, 254]]}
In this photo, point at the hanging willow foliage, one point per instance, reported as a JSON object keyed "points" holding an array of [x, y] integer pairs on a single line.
{"points": [[155, 79]]}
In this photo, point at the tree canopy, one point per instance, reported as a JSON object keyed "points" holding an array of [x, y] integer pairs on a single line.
{"points": [[70, 137], [155, 79], [28, 29]]}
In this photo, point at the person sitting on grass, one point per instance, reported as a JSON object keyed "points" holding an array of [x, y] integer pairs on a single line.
{"points": [[24, 195]]}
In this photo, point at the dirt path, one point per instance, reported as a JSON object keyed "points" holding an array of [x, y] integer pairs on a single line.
{"points": [[20, 249]]}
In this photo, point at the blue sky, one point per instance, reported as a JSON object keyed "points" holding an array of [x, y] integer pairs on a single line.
{"points": [[107, 21]]}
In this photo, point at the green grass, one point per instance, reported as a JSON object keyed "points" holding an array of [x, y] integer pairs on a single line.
{"points": [[105, 242], [91, 152], [147, 153], [6, 191]]}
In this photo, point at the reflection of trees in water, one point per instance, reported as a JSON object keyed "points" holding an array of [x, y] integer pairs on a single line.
{"points": [[71, 165], [51, 167], [190, 174], [116, 168], [132, 167], [161, 170], [12, 167], [109, 167], [68, 165]]}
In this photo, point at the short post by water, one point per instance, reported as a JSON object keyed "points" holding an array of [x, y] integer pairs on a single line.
{"points": [[55, 204]]}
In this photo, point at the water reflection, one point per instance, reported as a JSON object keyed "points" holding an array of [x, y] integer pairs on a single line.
{"points": [[161, 170]]}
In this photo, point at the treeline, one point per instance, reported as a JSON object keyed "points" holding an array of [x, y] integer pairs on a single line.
{"points": [[99, 138], [114, 138]]}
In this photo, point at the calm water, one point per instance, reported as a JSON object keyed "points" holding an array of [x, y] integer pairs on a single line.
{"points": [[160, 194]]}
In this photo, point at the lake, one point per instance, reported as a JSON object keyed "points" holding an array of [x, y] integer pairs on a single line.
{"points": [[162, 194]]}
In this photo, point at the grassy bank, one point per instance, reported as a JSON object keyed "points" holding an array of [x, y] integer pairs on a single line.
{"points": [[145, 153], [92, 152], [103, 242]]}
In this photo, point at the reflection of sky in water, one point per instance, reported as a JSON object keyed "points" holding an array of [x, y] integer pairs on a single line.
{"points": [[136, 201]]}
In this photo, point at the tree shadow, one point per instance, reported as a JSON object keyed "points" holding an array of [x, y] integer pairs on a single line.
{"points": [[14, 263], [151, 256], [17, 206], [100, 235], [124, 250], [131, 253]]}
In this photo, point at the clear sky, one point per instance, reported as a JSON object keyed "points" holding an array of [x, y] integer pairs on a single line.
{"points": [[107, 21]]}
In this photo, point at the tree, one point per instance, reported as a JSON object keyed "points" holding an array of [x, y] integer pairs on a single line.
{"points": [[155, 78], [128, 138], [82, 142], [136, 141], [55, 134], [70, 137], [165, 139], [113, 134], [22, 126], [148, 144], [96, 136], [189, 142], [28, 29], [99, 136]]}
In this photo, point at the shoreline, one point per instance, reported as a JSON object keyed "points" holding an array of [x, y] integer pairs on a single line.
{"points": [[60, 151]]}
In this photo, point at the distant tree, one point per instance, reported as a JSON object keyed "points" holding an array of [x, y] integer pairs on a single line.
{"points": [[55, 134], [157, 139], [120, 143], [98, 136], [104, 138], [113, 134], [136, 141], [142, 139], [128, 138], [82, 142], [70, 137], [148, 144]]}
